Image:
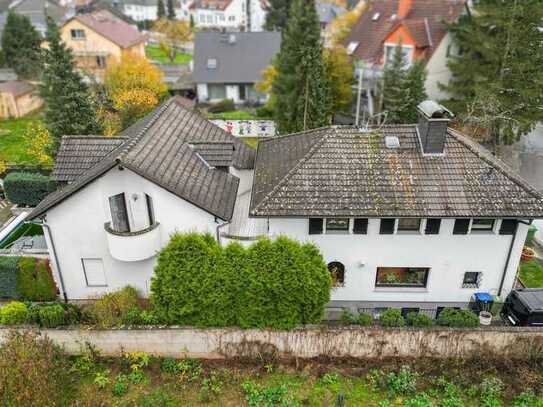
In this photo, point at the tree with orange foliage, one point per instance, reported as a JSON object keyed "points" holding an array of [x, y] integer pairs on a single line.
{"points": [[134, 87]]}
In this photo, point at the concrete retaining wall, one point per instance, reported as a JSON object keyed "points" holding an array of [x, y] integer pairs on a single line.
{"points": [[361, 343]]}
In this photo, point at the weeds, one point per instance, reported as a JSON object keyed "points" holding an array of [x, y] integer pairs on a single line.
{"points": [[258, 396], [402, 383], [101, 379]]}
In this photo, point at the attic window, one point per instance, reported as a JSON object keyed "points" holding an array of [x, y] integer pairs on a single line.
{"points": [[352, 47], [376, 16], [211, 63], [77, 34]]}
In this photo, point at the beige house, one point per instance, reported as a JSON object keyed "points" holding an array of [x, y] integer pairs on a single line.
{"points": [[18, 98], [100, 38]]}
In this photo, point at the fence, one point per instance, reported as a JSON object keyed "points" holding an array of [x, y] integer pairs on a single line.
{"points": [[370, 342], [247, 128]]}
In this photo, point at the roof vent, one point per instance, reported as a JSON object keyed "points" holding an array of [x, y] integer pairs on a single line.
{"points": [[392, 142], [376, 16]]}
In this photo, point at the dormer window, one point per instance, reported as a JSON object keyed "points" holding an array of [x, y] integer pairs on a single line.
{"points": [[211, 63], [407, 53]]}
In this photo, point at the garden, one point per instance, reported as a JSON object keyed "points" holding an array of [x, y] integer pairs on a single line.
{"points": [[14, 146], [158, 54]]}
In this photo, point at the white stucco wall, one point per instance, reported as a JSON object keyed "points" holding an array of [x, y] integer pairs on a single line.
{"points": [[448, 256], [233, 17], [139, 12], [77, 226], [437, 70]]}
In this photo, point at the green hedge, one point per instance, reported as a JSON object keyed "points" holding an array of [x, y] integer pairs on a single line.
{"points": [[27, 188], [35, 280], [8, 277], [279, 283]]}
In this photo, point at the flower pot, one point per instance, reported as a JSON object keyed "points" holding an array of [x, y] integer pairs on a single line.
{"points": [[485, 318], [527, 254]]}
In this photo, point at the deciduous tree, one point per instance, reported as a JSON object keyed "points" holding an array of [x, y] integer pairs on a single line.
{"points": [[176, 33], [39, 143], [340, 76]]}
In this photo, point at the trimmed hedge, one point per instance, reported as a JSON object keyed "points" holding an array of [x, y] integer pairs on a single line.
{"points": [[457, 318], [8, 277], [27, 188], [35, 280], [279, 284]]}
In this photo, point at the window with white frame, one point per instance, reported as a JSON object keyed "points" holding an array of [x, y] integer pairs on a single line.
{"points": [[337, 225], [93, 270], [77, 34], [101, 61], [407, 53], [353, 45], [211, 63], [482, 225]]}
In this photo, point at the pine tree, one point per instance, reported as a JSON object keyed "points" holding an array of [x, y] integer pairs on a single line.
{"points": [[277, 15], [171, 10], [301, 90], [497, 76], [161, 10], [21, 46], [69, 108], [413, 92]]}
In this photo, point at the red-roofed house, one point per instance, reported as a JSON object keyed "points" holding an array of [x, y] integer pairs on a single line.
{"points": [[419, 25], [99, 38]]}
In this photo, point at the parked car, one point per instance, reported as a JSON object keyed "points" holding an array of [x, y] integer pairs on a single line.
{"points": [[524, 307]]}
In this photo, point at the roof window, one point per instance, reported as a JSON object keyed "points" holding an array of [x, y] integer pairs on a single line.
{"points": [[353, 45], [211, 63], [376, 16]]}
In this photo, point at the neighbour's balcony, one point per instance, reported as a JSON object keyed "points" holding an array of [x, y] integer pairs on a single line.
{"points": [[133, 246]]}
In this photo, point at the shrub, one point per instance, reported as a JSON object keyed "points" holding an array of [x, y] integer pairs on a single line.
{"points": [[156, 398], [491, 391], [364, 319], [226, 105], [347, 317], [35, 280], [402, 383], [392, 318], [417, 319], [8, 277], [27, 188], [280, 283], [14, 313], [457, 318], [51, 316], [33, 371], [112, 309], [264, 111]]}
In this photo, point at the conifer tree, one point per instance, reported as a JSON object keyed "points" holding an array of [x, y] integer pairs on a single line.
{"points": [[497, 76], [68, 106], [301, 90], [161, 10], [171, 10], [21, 46], [277, 15]]}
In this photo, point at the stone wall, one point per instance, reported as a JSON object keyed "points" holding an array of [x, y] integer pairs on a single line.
{"points": [[373, 342]]}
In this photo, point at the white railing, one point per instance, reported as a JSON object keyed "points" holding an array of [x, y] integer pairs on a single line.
{"points": [[247, 128]]}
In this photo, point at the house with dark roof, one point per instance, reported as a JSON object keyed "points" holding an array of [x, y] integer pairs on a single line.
{"points": [[100, 38], [122, 197], [416, 217], [227, 65], [420, 26]]}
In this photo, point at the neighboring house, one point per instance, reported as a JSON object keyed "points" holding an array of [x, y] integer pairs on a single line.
{"points": [[171, 171], [100, 38], [227, 65], [227, 14], [328, 12], [410, 216], [407, 216], [419, 25], [256, 14], [146, 10], [18, 98]]}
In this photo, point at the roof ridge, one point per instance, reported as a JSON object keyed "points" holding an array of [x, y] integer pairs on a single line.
{"points": [[265, 139], [92, 136], [495, 162], [298, 164]]}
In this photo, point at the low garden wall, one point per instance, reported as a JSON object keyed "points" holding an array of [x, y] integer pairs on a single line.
{"points": [[309, 342]]}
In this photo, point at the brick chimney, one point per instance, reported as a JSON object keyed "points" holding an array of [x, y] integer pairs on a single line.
{"points": [[404, 6], [432, 127]]}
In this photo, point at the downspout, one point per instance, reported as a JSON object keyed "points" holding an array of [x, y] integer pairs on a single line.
{"points": [[219, 231], [509, 256], [57, 265]]}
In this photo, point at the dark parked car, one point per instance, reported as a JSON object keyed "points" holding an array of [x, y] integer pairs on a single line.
{"points": [[524, 307]]}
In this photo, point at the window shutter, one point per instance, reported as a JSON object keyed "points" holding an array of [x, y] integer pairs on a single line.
{"points": [[387, 226], [119, 216], [508, 227], [360, 226], [461, 227], [432, 226], [315, 226]]}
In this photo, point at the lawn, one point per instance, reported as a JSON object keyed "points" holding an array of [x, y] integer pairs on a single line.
{"points": [[13, 146], [531, 273], [155, 53], [233, 115]]}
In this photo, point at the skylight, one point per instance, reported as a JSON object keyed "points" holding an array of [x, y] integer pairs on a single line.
{"points": [[376, 16], [211, 63], [352, 47]]}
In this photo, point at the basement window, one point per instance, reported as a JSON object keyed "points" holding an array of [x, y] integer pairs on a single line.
{"points": [[402, 277]]}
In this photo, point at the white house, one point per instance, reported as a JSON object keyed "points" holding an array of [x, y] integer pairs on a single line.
{"points": [[410, 216], [227, 65], [147, 10], [227, 14]]}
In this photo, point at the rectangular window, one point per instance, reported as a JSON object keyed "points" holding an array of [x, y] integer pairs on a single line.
{"points": [[216, 92], [242, 92], [471, 279], [482, 225], [461, 227], [360, 226], [409, 225], [119, 214], [432, 226], [401, 277], [508, 227], [150, 210], [337, 225], [94, 272], [407, 53], [315, 226], [77, 34], [387, 226], [101, 61]]}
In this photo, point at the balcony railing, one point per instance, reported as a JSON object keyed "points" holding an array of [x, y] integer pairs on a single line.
{"points": [[133, 246]]}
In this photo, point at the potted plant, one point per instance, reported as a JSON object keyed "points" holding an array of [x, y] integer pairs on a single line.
{"points": [[485, 318], [527, 254]]}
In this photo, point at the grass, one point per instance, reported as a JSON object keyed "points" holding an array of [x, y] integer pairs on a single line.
{"points": [[155, 53], [250, 141], [233, 115], [13, 146], [531, 273]]}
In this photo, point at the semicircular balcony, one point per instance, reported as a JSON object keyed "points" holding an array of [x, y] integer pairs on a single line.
{"points": [[135, 245]]}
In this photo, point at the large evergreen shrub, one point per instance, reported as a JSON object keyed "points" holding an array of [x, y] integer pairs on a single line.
{"points": [[279, 283], [27, 188], [8, 277]]}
